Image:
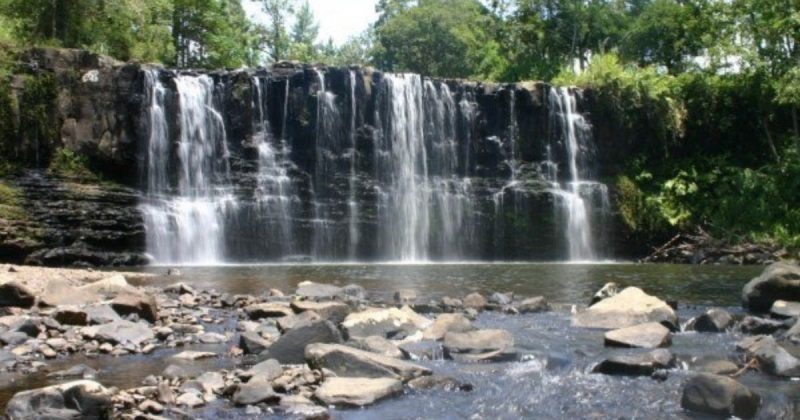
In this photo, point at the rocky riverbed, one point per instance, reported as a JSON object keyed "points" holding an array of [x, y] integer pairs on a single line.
{"points": [[90, 343]]}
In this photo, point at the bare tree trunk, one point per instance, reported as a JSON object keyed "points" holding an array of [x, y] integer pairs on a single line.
{"points": [[796, 129], [769, 139]]}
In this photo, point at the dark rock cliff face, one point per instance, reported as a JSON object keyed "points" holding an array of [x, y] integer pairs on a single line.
{"points": [[504, 139]]}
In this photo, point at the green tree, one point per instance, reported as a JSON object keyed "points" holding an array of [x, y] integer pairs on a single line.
{"points": [[446, 38], [277, 40], [304, 33]]}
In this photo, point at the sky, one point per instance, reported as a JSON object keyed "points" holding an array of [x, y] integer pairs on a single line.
{"points": [[338, 19]]}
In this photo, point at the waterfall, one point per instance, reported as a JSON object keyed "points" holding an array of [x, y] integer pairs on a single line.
{"points": [[342, 165], [576, 196], [274, 187], [352, 184], [185, 223]]}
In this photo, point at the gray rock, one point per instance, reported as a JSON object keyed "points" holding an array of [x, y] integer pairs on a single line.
{"points": [[302, 319], [144, 306], [346, 361], [717, 367], [85, 399], [381, 346], [650, 335], [439, 383], [357, 391], [266, 371], [15, 294], [479, 345], [354, 293], [290, 347], [194, 355], [384, 322], [501, 299], [313, 290], [533, 305], [779, 281], [180, 372], [608, 290], [446, 323], [268, 310], [255, 392], [475, 301], [639, 364], [13, 338], [212, 338], [120, 332], [757, 325], [720, 396], [190, 399], [714, 320], [331, 311], [211, 381], [78, 371], [252, 343], [179, 288], [101, 314], [784, 309], [772, 357], [629, 307]]}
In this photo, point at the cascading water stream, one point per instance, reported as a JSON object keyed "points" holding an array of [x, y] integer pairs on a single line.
{"points": [[185, 224], [352, 184]]}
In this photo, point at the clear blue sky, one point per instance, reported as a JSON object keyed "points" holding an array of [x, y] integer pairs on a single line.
{"points": [[338, 19]]}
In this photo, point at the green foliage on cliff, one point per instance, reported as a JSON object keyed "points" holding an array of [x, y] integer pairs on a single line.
{"points": [[68, 164], [10, 203], [8, 125], [37, 116]]}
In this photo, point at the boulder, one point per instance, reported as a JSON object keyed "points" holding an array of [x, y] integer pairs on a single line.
{"points": [[422, 350], [475, 301], [255, 392], [719, 396], [290, 347], [384, 322], [267, 371], [772, 357], [120, 332], [445, 323], [59, 292], [381, 346], [779, 281], [639, 364], [312, 290], [110, 287], [758, 325], [650, 335], [717, 367], [302, 319], [331, 311], [533, 305], [101, 314], [252, 343], [346, 361], [71, 315], [144, 306], [78, 399], [630, 307], [14, 294], [357, 391], [268, 310], [479, 345], [608, 290], [501, 299], [714, 320], [784, 309]]}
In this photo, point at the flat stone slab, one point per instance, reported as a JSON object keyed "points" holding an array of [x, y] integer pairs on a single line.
{"points": [[335, 312], [479, 346], [268, 310], [445, 323], [650, 335], [629, 307], [351, 362], [357, 391], [384, 322]]}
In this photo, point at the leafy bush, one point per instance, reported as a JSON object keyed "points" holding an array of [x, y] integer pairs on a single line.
{"points": [[69, 164], [10, 203]]}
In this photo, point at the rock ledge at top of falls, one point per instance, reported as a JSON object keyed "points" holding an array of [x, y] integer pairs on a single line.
{"points": [[632, 306], [779, 281]]}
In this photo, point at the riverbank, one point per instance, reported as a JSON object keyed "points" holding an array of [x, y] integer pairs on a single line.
{"points": [[190, 350]]}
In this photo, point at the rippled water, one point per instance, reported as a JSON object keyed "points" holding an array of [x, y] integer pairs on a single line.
{"points": [[553, 380]]}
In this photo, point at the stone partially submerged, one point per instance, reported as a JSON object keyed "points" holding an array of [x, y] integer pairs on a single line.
{"points": [[479, 345], [346, 361], [629, 307], [650, 335], [384, 322], [357, 391], [78, 399], [720, 396], [640, 364], [779, 281]]}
